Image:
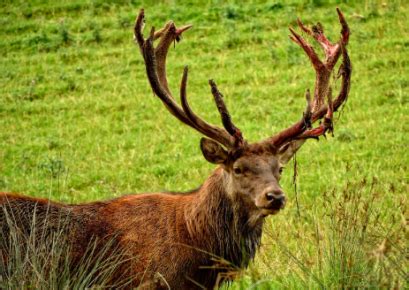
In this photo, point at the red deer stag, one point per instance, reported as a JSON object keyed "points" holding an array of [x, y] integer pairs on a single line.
{"points": [[196, 239]]}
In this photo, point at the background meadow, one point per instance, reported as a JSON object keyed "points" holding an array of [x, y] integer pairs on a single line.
{"points": [[78, 121]]}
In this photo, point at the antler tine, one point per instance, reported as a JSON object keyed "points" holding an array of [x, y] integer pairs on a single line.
{"points": [[149, 55], [325, 126], [322, 89], [345, 28], [215, 133], [345, 71], [332, 53], [139, 24], [150, 61], [155, 62], [308, 111], [322, 72], [224, 113], [167, 35]]}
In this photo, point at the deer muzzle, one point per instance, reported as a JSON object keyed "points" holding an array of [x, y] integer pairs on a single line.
{"points": [[276, 201], [272, 200]]}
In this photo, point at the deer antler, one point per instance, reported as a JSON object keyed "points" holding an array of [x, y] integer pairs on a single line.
{"points": [[155, 62], [316, 109]]}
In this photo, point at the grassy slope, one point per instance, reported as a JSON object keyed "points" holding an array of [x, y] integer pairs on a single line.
{"points": [[78, 121]]}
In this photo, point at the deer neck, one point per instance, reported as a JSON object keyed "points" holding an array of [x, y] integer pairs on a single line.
{"points": [[221, 224]]}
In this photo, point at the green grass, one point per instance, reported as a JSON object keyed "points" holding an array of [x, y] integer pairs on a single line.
{"points": [[78, 121]]}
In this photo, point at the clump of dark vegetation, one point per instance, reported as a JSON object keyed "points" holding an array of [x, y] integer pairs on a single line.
{"points": [[37, 256]]}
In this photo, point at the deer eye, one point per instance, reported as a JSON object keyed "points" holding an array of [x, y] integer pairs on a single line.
{"points": [[241, 170], [280, 170]]}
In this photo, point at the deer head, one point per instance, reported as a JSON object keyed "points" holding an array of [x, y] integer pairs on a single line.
{"points": [[252, 171]]}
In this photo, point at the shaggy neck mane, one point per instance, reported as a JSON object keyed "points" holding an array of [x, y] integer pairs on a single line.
{"points": [[222, 226]]}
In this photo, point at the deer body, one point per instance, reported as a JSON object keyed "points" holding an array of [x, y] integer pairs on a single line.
{"points": [[202, 238], [203, 234]]}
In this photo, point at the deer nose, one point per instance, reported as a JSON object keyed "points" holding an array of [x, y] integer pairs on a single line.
{"points": [[276, 199]]}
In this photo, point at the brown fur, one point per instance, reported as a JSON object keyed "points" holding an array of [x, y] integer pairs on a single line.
{"points": [[182, 240]]}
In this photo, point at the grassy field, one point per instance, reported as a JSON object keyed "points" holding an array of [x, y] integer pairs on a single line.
{"points": [[78, 121]]}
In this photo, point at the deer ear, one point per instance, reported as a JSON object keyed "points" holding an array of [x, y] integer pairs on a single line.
{"points": [[213, 151], [287, 151]]}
